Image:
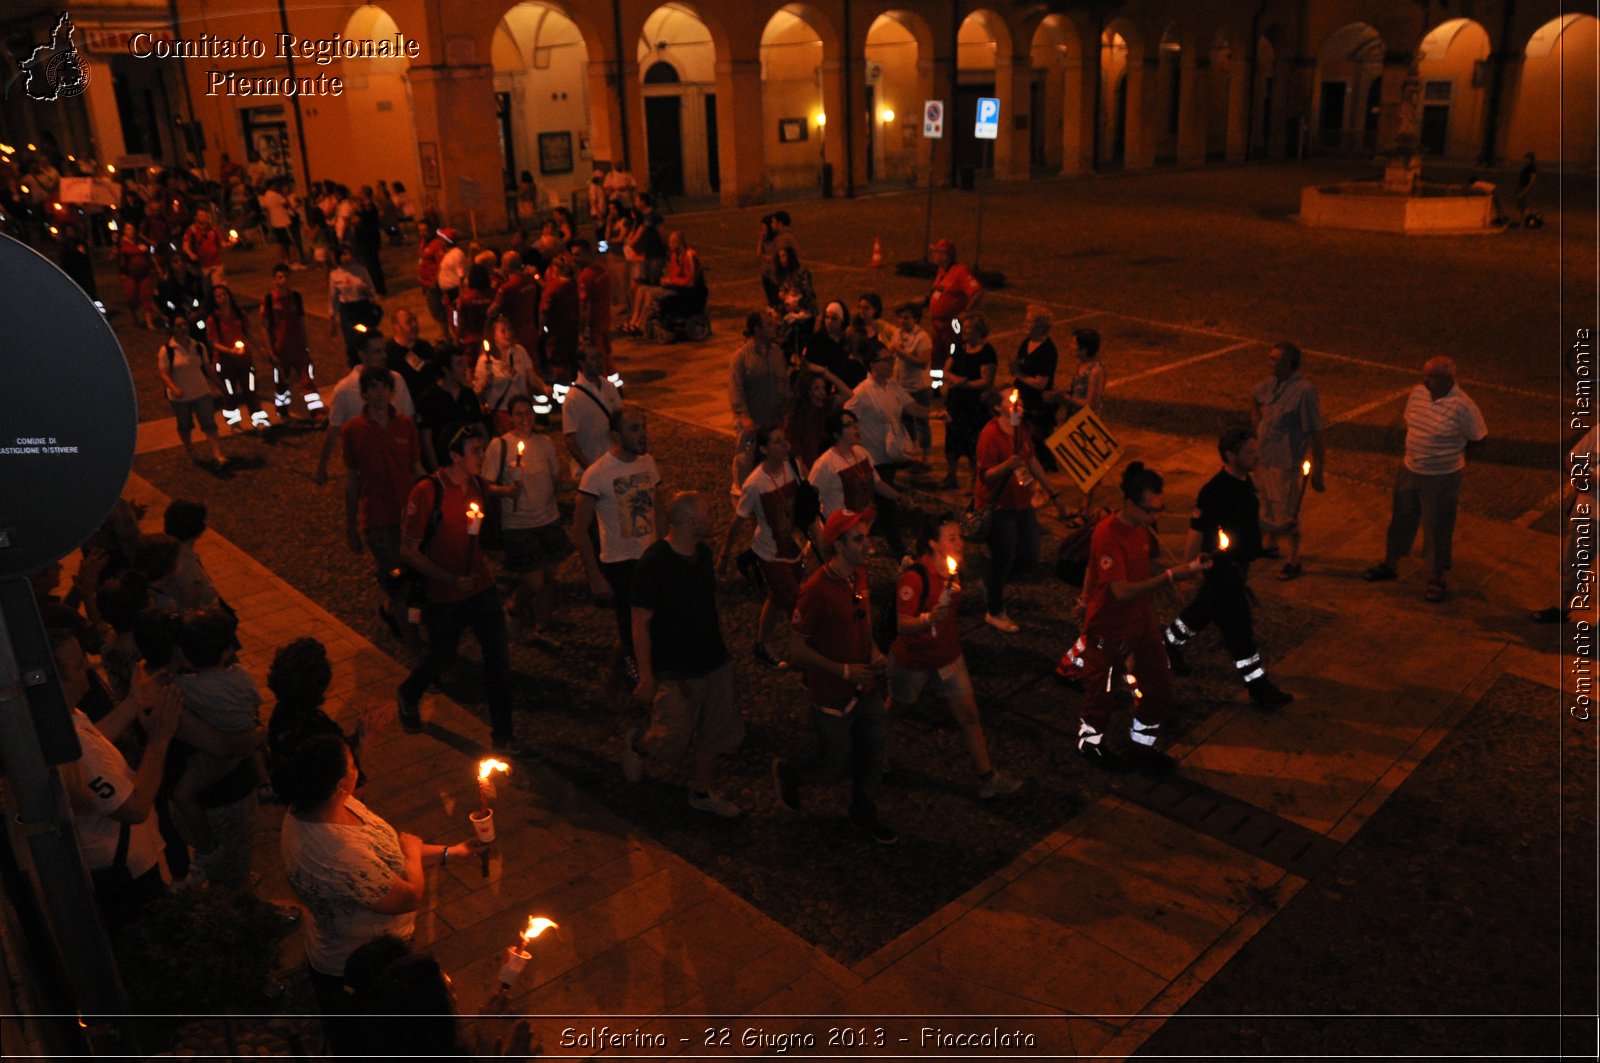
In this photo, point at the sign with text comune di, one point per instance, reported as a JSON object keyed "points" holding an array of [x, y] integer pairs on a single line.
{"points": [[68, 416], [1085, 448]]}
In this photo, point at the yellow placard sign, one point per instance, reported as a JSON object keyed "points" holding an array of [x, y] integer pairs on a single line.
{"points": [[1085, 448]]}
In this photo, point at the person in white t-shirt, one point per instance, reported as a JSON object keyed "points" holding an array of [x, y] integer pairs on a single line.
{"points": [[843, 474], [912, 348], [346, 403], [522, 467], [768, 499], [620, 493], [881, 407], [586, 413], [107, 796]]}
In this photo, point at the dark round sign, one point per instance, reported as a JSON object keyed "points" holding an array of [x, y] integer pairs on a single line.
{"points": [[68, 416]]}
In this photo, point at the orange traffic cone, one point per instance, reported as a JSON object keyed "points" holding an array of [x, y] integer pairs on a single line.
{"points": [[877, 254]]}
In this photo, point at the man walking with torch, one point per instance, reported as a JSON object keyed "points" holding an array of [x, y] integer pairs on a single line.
{"points": [[1227, 524], [1287, 415]]}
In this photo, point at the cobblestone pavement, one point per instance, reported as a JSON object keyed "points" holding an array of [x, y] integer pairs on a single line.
{"points": [[1070, 900]]}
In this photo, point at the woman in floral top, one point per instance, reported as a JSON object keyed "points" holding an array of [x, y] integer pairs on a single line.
{"points": [[357, 875]]}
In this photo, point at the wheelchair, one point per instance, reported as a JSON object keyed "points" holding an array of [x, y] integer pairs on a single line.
{"points": [[680, 316]]}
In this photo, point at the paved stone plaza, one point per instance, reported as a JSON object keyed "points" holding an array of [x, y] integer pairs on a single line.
{"points": [[1098, 911]]}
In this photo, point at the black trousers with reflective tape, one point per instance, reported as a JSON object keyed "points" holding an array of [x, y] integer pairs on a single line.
{"points": [[1222, 600]]}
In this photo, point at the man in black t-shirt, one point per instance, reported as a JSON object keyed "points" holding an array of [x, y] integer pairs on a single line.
{"points": [[446, 406], [685, 675], [411, 356], [1226, 524]]}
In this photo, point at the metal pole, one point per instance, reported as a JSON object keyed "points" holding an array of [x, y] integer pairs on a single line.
{"points": [[299, 119], [977, 249], [622, 82], [44, 820], [927, 221]]}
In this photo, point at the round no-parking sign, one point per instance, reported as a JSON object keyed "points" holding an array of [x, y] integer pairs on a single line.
{"points": [[68, 416], [933, 119]]}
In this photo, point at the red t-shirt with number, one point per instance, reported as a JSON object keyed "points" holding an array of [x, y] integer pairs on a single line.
{"points": [[1117, 551], [918, 592]]}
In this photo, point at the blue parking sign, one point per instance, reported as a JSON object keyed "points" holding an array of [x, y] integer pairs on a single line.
{"points": [[988, 124]]}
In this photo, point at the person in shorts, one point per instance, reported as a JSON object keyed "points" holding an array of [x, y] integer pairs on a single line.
{"points": [[523, 468], [927, 646], [685, 675], [185, 368]]}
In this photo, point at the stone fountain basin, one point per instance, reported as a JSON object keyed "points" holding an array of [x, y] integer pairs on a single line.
{"points": [[1434, 210]]}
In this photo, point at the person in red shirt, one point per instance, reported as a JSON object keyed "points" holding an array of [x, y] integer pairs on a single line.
{"points": [[283, 319], [439, 541], [382, 460], [1007, 471], [561, 319], [517, 300], [832, 643], [927, 645], [955, 291], [202, 245], [594, 303], [430, 252], [1119, 622], [136, 269], [229, 335]]}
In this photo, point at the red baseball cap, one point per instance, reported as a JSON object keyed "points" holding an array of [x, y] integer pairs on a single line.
{"points": [[942, 244], [842, 520]]}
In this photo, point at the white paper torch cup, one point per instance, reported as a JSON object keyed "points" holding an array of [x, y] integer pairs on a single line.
{"points": [[516, 960], [483, 824]]}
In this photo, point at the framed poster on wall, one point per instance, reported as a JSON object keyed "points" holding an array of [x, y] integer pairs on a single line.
{"points": [[793, 130], [555, 152], [428, 153]]}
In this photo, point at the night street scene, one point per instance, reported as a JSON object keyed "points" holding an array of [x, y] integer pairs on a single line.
{"points": [[913, 530]]}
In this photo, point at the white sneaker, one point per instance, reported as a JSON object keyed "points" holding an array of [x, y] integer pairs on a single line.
{"points": [[632, 762], [998, 785], [1001, 622], [713, 802]]}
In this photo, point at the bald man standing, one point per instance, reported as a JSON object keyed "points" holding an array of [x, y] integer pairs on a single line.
{"points": [[1440, 421]]}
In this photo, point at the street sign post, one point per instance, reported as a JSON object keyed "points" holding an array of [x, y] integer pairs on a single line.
{"points": [[933, 119], [987, 126], [932, 129]]}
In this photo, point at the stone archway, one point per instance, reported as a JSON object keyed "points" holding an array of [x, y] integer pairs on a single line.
{"points": [[381, 135], [899, 77], [1450, 65], [677, 70], [541, 87], [1349, 85], [1553, 114], [793, 101]]}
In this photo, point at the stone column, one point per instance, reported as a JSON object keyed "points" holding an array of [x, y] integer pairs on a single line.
{"points": [[832, 73], [453, 106], [1238, 107], [1077, 113], [1144, 112], [1193, 71], [741, 153], [605, 115], [1012, 75], [105, 121]]}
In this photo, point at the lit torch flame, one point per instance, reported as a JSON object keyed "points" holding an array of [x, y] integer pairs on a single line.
{"points": [[474, 513], [1222, 539], [233, 234], [488, 766], [950, 563], [1015, 395], [1305, 467], [536, 926], [360, 327], [238, 345]]}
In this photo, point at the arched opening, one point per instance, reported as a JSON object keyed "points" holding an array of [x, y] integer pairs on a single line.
{"points": [[1349, 84], [1450, 66], [1219, 75], [541, 88], [381, 136], [1170, 88], [1554, 112], [794, 113], [899, 78], [980, 42], [1114, 69], [1053, 49], [680, 115]]}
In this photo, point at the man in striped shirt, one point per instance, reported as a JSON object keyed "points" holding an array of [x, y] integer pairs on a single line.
{"points": [[1440, 421]]}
